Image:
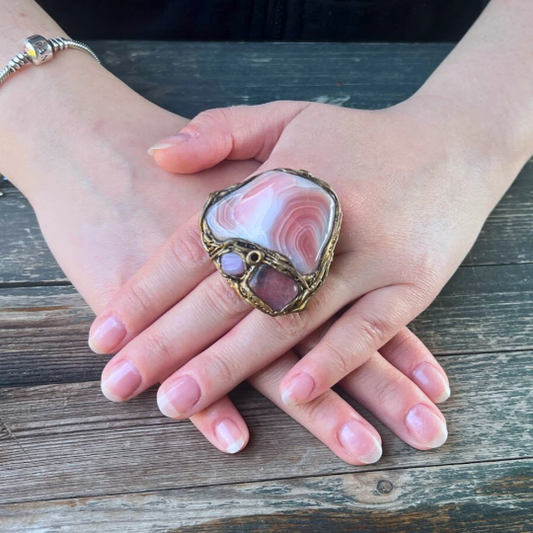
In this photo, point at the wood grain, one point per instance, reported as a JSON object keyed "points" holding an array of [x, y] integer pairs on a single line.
{"points": [[76, 443], [482, 498]]}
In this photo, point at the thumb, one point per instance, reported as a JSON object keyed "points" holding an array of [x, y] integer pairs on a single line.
{"points": [[241, 132]]}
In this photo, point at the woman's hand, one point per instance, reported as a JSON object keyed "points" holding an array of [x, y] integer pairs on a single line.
{"points": [[415, 190], [105, 208]]}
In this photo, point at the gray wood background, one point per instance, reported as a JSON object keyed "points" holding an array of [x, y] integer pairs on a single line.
{"points": [[71, 461]]}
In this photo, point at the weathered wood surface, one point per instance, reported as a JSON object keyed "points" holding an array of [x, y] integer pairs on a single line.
{"points": [[78, 443], [484, 498], [190, 77], [71, 461]]}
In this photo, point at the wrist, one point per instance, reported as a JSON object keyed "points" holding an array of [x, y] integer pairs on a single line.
{"points": [[490, 88], [476, 139], [78, 113]]}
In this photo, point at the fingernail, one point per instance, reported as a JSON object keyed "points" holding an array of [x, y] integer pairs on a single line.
{"points": [[298, 390], [179, 398], [359, 442], [169, 142], [426, 427], [229, 435], [432, 382], [107, 335], [120, 381]]}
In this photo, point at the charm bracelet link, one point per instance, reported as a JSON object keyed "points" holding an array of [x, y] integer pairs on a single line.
{"points": [[39, 50]]}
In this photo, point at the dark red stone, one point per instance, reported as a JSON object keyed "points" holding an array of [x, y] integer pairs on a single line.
{"points": [[273, 287]]}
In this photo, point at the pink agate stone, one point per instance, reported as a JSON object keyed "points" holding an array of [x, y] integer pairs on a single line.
{"points": [[279, 211], [273, 287]]}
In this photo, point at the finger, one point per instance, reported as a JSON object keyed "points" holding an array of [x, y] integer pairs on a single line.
{"points": [[397, 402], [179, 266], [254, 342], [201, 318], [223, 426], [406, 352], [307, 344], [241, 132], [330, 418], [358, 333], [410, 356]]}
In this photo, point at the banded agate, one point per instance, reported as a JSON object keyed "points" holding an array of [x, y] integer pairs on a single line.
{"points": [[278, 211]]}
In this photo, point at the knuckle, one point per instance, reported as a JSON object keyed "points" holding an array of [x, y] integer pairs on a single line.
{"points": [[187, 250], [319, 408], [217, 116], [225, 300], [343, 361], [140, 298], [291, 326], [220, 122], [427, 269], [375, 329], [155, 344], [268, 377], [221, 369], [386, 391]]}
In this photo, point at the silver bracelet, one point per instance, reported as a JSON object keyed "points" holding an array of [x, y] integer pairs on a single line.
{"points": [[39, 50]]}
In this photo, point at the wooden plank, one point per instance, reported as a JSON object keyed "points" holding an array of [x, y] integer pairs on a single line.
{"points": [[189, 77], [24, 255], [196, 76], [506, 237], [43, 330], [486, 497], [80, 444], [480, 309], [43, 337]]}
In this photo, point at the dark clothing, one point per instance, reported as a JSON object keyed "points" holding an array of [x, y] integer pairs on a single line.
{"points": [[267, 20]]}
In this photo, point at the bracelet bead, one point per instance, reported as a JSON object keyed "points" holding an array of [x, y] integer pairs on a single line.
{"points": [[39, 50]]}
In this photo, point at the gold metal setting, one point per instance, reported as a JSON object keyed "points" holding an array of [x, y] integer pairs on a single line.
{"points": [[255, 256]]}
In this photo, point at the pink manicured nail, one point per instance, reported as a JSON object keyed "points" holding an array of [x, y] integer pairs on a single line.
{"points": [[229, 435], [120, 381], [359, 442], [432, 382], [107, 334], [426, 427], [179, 398], [298, 390], [169, 142]]}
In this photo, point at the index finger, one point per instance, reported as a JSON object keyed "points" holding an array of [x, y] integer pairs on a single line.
{"points": [[175, 270]]}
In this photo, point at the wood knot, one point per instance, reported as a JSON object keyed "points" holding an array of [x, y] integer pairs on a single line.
{"points": [[385, 486]]}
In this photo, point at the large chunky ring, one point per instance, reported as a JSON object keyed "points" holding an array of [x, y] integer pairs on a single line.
{"points": [[272, 237]]}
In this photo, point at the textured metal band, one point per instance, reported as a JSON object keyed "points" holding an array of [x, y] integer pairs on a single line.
{"points": [[39, 50]]}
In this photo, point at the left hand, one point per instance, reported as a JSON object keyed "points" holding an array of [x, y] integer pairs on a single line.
{"points": [[412, 184]]}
